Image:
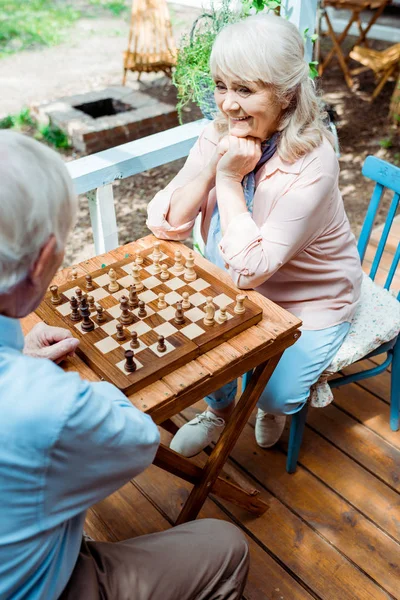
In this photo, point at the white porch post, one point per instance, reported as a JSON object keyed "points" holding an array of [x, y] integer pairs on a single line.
{"points": [[102, 216], [303, 13]]}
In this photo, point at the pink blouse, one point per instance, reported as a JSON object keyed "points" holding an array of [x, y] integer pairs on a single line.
{"points": [[296, 248]]}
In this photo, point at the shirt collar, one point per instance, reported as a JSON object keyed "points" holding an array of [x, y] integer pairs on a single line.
{"points": [[11, 333], [277, 164]]}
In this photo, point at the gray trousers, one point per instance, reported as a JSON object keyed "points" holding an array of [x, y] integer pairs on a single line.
{"points": [[202, 560]]}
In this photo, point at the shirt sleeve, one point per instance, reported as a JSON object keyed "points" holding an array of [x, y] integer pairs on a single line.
{"points": [[158, 208], [103, 442], [255, 253]]}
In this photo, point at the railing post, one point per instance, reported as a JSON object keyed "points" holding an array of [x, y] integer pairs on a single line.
{"points": [[303, 14], [103, 219]]}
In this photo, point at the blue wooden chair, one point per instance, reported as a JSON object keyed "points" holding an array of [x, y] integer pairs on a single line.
{"points": [[383, 336]]}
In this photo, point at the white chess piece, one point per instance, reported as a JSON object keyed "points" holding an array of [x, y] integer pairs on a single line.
{"points": [[164, 272], [161, 302], [239, 308], [185, 300], [74, 273], [156, 254], [113, 286], [210, 312], [190, 273], [178, 266], [156, 266], [221, 317], [138, 258], [136, 278]]}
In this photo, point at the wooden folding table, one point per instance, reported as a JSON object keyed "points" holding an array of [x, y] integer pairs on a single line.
{"points": [[258, 348]]}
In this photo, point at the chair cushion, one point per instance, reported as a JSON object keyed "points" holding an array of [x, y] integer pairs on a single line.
{"points": [[377, 320]]}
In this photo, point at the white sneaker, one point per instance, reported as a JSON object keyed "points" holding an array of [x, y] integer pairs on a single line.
{"points": [[196, 435], [269, 428]]}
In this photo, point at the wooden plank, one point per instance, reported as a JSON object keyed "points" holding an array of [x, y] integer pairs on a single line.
{"points": [[342, 526], [366, 447]]}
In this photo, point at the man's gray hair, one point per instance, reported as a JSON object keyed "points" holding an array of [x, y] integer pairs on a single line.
{"points": [[36, 201]]}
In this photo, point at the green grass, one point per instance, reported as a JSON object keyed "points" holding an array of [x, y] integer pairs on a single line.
{"points": [[27, 24], [116, 7], [49, 133]]}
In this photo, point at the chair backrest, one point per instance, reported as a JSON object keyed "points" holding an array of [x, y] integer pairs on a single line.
{"points": [[387, 177]]}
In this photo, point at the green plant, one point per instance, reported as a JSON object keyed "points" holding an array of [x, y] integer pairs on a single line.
{"points": [[53, 135], [18, 121], [116, 7], [23, 121]]}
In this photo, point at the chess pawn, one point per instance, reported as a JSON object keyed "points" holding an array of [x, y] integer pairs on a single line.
{"points": [[134, 341], [87, 323], [222, 315], [130, 365], [161, 302], [156, 266], [239, 308], [179, 317], [190, 273], [142, 310], [164, 272], [161, 347], [126, 317], [138, 258], [178, 266], [113, 286], [133, 299], [185, 301], [92, 306], [55, 296], [74, 273], [156, 254], [136, 278], [75, 315], [100, 313], [120, 332], [89, 283], [78, 295], [210, 312]]}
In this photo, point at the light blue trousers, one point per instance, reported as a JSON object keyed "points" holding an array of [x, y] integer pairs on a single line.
{"points": [[298, 369]]}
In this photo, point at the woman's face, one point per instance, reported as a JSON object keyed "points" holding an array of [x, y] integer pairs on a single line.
{"points": [[250, 109]]}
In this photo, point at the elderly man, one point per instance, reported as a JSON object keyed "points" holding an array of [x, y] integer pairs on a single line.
{"points": [[67, 443]]}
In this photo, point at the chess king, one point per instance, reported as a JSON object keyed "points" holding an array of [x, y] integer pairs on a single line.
{"points": [[67, 443]]}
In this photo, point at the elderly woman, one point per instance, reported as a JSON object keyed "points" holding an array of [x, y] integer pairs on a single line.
{"points": [[264, 177]]}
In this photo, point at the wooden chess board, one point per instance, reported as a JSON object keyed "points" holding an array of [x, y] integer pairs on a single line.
{"points": [[100, 348]]}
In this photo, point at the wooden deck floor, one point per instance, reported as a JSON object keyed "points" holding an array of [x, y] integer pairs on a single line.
{"points": [[332, 530]]}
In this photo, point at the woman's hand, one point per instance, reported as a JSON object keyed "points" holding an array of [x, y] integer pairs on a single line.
{"points": [[238, 157], [220, 150]]}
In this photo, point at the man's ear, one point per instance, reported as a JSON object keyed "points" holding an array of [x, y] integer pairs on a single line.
{"points": [[43, 261]]}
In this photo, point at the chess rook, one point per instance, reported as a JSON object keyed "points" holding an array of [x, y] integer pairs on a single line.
{"points": [[130, 365], [55, 297], [179, 316], [126, 317], [239, 308]]}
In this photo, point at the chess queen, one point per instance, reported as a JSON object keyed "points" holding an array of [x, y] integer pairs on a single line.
{"points": [[264, 178]]}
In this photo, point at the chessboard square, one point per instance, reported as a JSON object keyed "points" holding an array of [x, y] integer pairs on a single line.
{"points": [[199, 284], [110, 327], [64, 309], [99, 294], [217, 315], [78, 326], [71, 292], [168, 348], [117, 295], [103, 280], [114, 311], [222, 300], [165, 329], [106, 345], [151, 282], [192, 331], [147, 296], [126, 281], [128, 268], [121, 365], [149, 312], [173, 297], [142, 346], [167, 313], [194, 314], [197, 299], [140, 327], [175, 283]]}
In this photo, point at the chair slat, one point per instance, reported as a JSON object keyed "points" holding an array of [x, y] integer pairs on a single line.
{"points": [[382, 172], [385, 233], [369, 220], [392, 270]]}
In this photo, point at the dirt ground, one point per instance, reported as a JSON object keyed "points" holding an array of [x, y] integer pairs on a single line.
{"points": [[91, 58]]}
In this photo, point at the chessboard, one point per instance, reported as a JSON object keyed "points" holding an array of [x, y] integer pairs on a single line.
{"points": [[143, 317]]}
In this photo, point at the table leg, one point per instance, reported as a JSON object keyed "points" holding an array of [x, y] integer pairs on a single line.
{"points": [[364, 32], [338, 51], [228, 439]]}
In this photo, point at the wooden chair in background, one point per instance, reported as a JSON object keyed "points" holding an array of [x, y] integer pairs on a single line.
{"points": [[384, 64], [151, 45]]}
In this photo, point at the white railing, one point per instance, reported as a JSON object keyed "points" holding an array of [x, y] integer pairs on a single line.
{"points": [[93, 175]]}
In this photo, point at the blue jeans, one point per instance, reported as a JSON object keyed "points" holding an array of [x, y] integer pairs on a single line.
{"points": [[298, 369]]}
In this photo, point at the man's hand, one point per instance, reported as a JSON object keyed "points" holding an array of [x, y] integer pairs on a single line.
{"points": [[240, 157], [54, 343]]}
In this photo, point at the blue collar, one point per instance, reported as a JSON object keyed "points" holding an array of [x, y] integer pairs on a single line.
{"points": [[11, 334]]}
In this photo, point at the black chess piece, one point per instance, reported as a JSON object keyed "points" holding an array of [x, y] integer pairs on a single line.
{"points": [[130, 365], [120, 332], [75, 315], [126, 317], [133, 298], [134, 341], [87, 323], [142, 311], [89, 283], [161, 347], [179, 317], [100, 314]]}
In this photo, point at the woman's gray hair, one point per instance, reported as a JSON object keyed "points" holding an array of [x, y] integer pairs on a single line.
{"points": [[36, 201], [269, 50]]}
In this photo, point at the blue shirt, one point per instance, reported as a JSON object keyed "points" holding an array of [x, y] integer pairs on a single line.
{"points": [[64, 445]]}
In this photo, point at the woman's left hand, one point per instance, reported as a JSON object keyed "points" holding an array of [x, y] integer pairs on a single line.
{"points": [[240, 158]]}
